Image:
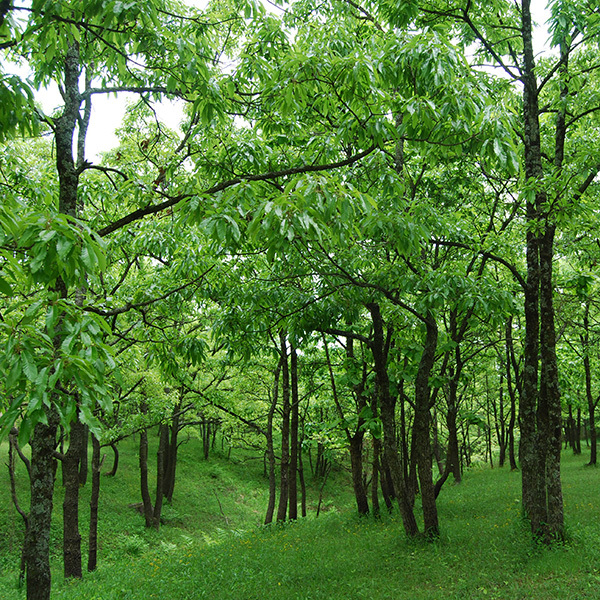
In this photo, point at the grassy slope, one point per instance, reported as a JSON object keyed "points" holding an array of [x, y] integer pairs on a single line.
{"points": [[212, 546]]}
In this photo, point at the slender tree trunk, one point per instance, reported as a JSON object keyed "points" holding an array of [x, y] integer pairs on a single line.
{"points": [[115, 466], [70, 469], [163, 432], [437, 452], [585, 342], [570, 430], [356, 463], [270, 446], [13, 447], [512, 394], [94, 504], [500, 423], [302, 483], [284, 486], [293, 476], [488, 432], [143, 461], [453, 458], [578, 432], [375, 478], [540, 407], [385, 481], [171, 454]]}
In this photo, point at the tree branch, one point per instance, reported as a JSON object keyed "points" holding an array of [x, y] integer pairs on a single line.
{"points": [[156, 208]]}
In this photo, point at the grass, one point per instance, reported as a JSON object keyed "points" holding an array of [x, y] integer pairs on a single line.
{"points": [[212, 546]]}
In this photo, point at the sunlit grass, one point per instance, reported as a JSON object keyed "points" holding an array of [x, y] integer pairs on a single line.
{"points": [[485, 550]]}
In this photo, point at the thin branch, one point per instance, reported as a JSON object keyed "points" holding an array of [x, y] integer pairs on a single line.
{"points": [[156, 208]]}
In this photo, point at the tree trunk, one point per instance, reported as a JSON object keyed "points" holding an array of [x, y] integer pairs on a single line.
{"points": [[284, 487], [293, 476], [511, 367], [387, 409], [375, 478], [70, 469], [94, 503], [356, 463], [540, 407], [270, 447], [585, 342], [532, 447], [43, 471], [453, 458], [43, 441], [578, 432], [171, 454], [302, 484], [500, 423], [143, 461], [421, 427], [550, 404], [13, 447], [163, 432], [115, 466]]}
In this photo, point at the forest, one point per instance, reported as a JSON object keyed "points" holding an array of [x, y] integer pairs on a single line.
{"points": [[350, 245]]}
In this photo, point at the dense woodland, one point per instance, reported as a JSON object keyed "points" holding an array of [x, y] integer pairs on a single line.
{"points": [[372, 239]]}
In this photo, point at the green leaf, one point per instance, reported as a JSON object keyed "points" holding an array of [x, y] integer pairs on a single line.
{"points": [[25, 430], [5, 287]]}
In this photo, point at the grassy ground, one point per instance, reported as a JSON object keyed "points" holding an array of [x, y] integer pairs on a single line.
{"points": [[213, 547]]}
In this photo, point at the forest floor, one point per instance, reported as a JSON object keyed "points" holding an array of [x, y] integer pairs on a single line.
{"points": [[212, 545]]}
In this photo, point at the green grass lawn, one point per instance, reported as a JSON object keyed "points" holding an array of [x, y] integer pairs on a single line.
{"points": [[212, 544]]}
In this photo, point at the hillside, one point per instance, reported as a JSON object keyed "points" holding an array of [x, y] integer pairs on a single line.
{"points": [[211, 544]]}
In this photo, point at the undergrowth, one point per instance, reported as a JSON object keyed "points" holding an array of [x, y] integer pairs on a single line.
{"points": [[212, 544]]}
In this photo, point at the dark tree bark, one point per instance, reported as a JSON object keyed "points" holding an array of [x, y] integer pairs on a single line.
{"points": [[43, 441], [500, 423], [355, 439], [284, 486], [591, 403], [421, 427], [71, 534], [302, 484], [436, 448], [163, 441], [115, 465], [13, 447], [578, 432], [385, 482], [94, 504], [387, 410], [170, 457], [43, 472], [356, 463], [540, 413], [270, 446], [376, 468], [293, 476], [143, 462], [511, 366]]}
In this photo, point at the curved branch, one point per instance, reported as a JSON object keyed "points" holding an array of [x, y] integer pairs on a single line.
{"points": [[136, 215]]}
